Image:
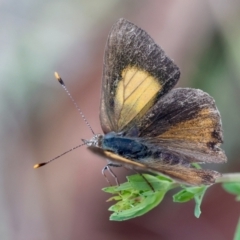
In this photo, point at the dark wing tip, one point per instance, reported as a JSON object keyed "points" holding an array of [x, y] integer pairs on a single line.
{"points": [[209, 176]]}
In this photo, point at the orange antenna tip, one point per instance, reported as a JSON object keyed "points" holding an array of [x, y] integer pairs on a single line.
{"points": [[56, 75], [39, 165]]}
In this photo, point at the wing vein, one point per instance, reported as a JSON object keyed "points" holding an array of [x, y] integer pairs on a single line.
{"points": [[138, 98]]}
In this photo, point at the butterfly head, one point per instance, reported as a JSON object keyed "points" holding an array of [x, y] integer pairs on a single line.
{"points": [[95, 141]]}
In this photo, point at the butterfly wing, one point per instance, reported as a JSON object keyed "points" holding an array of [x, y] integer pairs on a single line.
{"points": [[185, 127], [136, 74], [186, 121], [181, 173]]}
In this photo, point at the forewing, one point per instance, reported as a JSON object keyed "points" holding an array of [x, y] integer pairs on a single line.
{"points": [[136, 74], [185, 121]]}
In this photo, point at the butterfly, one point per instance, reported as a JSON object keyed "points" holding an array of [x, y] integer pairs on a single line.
{"points": [[147, 124]]}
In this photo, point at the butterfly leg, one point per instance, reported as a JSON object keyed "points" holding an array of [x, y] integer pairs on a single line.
{"points": [[107, 167]]}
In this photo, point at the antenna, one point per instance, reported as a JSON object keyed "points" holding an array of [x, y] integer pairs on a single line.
{"points": [[44, 163], [74, 102], [82, 115]]}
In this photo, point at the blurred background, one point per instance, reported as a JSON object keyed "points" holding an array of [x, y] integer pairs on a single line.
{"points": [[38, 121]]}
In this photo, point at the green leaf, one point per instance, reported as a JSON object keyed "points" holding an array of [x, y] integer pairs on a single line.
{"points": [[135, 197], [139, 183], [189, 193], [233, 188], [183, 196], [137, 207], [198, 200]]}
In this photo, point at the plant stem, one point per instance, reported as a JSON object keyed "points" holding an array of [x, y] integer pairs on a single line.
{"points": [[229, 177]]}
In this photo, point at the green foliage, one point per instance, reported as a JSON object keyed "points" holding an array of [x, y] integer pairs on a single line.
{"points": [[135, 197], [189, 193], [233, 188]]}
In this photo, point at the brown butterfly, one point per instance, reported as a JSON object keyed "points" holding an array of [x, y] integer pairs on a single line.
{"points": [[147, 124]]}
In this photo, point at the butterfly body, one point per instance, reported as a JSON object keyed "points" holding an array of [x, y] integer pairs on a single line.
{"points": [[138, 150]]}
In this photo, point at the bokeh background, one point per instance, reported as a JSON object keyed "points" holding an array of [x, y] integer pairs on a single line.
{"points": [[64, 199]]}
